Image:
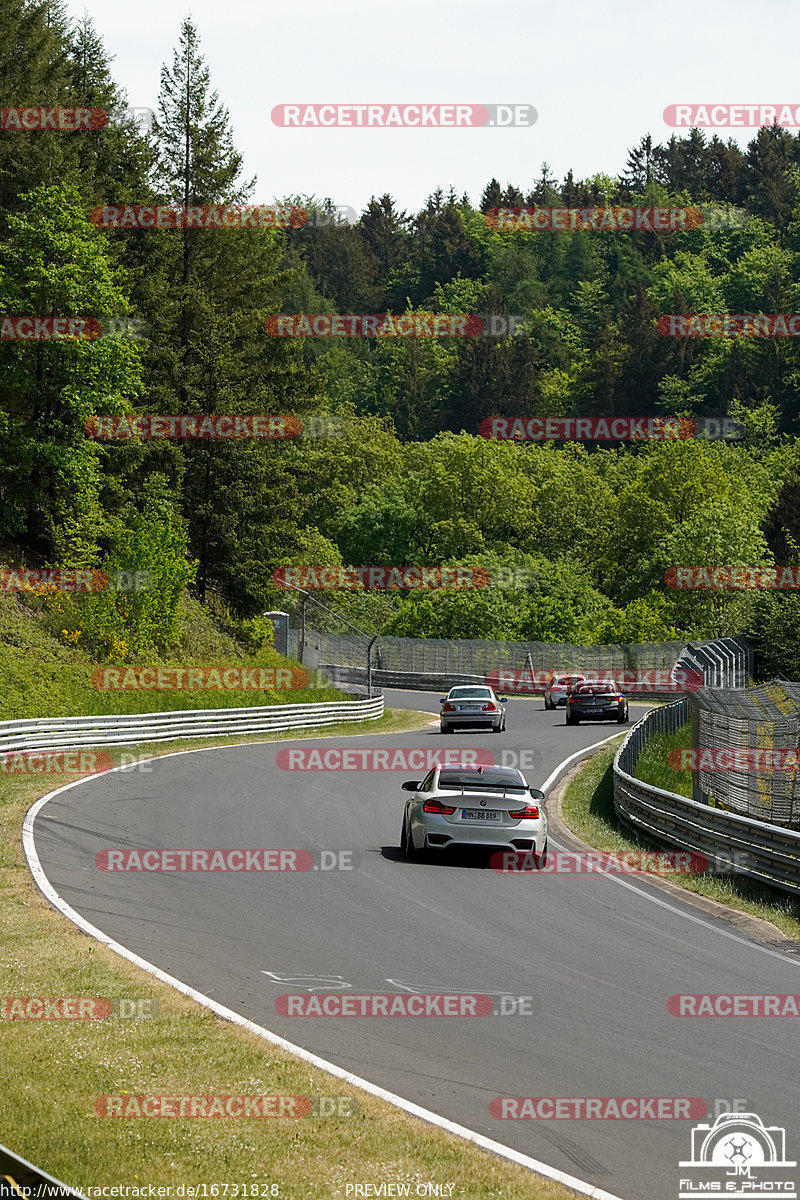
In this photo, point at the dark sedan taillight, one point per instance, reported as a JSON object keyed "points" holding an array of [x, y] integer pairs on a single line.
{"points": [[433, 806]]}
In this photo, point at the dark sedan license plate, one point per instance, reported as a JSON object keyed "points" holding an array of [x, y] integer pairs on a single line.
{"points": [[480, 814]]}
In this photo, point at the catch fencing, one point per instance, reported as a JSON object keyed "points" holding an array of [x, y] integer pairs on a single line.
{"points": [[434, 664], [726, 662], [738, 844], [764, 718]]}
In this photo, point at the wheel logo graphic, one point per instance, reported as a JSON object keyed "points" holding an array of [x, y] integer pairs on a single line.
{"points": [[738, 1151], [737, 1156]]}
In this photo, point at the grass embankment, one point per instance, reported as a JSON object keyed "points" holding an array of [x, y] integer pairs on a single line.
{"points": [[42, 676], [653, 765], [588, 810]]}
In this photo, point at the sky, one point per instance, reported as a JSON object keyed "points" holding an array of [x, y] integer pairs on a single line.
{"points": [[598, 74]]}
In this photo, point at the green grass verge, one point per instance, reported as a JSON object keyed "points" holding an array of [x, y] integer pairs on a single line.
{"points": [[42, 676], [54, 1071], [35, 687], [653, 765], [588, 810]]}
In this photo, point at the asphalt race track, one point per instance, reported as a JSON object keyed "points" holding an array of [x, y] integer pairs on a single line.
{"points": [[599, 955]]}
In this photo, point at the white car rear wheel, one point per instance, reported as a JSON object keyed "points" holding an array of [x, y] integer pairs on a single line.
{"points": [[407, 842]]}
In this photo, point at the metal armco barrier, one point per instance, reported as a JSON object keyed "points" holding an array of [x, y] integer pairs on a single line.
{"points": [[732, 843], [60, 733]]}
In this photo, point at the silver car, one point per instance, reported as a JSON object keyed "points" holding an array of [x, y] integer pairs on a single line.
{"points": [[473, 806], [472, 705], [558, 688]]}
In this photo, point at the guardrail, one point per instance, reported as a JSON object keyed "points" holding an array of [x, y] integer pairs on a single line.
{"points": [[740, 845], [59, 733]]}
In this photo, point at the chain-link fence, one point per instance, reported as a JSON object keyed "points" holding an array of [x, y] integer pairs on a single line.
{"points": [[435, 664], [763, 723], [732, 843]]}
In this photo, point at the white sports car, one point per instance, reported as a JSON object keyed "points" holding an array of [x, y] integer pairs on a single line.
{"points": [[473, 806]]}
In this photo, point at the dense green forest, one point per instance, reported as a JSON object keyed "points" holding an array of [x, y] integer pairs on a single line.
{"points": [[585, 531]]}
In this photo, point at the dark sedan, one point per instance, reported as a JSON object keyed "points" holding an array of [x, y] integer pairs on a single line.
{"points": [[596, 702]]}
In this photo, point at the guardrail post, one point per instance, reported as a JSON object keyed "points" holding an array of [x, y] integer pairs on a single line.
{"points": [[300, 648], [369, 667]]}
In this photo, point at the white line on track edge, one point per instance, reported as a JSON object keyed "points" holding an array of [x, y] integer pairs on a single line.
{"points": [[644, 892], [415, 1110]]}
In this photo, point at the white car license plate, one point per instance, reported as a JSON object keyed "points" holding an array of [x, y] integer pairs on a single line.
{"points": [[469, 708], [480, 814]]}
